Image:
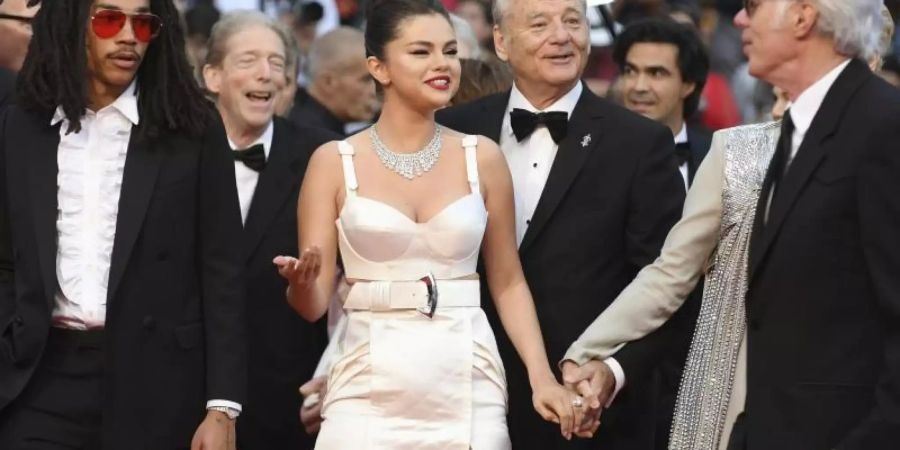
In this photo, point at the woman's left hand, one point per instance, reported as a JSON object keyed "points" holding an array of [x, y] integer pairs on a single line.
{"points": [[559, 405]]}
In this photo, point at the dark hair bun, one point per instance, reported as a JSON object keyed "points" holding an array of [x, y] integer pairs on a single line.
{"points": [[383, 18]]}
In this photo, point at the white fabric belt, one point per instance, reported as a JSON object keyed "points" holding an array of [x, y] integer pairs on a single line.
{"points": [[390, 295]]}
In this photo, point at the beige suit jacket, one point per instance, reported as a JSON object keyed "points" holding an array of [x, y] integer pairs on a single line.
{"points": [[662, 287]]}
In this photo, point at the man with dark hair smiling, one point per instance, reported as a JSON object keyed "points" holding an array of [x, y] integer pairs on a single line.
{"points": [[664, 68], [121, 313]]}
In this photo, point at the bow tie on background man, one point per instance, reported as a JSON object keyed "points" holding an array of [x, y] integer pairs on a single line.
{"points": [[253, 157], [682, 153], [524, 122]]}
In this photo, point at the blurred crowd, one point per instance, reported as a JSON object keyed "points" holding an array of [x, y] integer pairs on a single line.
{"points": [[328, 82]]}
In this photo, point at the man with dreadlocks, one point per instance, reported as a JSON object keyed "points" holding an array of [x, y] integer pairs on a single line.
{"points": [[121, 309]]}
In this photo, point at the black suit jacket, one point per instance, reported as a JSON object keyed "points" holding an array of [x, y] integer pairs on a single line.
{"points": [[307, 111], [283, 348], [604, 213], [823, 302], [699, 141], [175, 316], [7, 87]]}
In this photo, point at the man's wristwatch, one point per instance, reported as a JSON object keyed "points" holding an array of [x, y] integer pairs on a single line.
{"points": [[230, 412]]}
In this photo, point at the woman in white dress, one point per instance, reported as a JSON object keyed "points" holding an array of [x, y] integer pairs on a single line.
{"points": [[417, 364]]}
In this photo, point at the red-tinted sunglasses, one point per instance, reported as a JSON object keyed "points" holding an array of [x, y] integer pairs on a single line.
{"points": [[107, 23]]}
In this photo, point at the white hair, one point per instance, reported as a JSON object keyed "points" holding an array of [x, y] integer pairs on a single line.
{"points": [[465, 38], [853, 25], [500, 9]]}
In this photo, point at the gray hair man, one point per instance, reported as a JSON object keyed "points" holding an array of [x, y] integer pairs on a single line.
{"points": [[246, 70], [596, 190], [340, 89], [811, 359]]}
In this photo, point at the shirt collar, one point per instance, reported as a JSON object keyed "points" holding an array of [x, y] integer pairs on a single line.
{"points": [[126, 105], [804, 109], [566, 103], [682, 136], [265, 139]]}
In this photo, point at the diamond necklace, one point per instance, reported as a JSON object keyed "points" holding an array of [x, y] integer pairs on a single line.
{"points": [[408, 165]]}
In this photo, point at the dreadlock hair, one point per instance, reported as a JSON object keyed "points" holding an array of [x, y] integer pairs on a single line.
{"points": [[55, 71]]}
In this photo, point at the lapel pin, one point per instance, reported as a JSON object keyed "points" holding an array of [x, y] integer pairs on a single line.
{"points": [[586, 140]]}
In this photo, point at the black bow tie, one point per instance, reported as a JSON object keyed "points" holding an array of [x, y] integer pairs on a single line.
{"points": [[682, 152], [253, 157], [524, 122]]}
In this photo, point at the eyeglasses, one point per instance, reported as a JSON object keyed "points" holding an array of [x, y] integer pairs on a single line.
{"points": [[107, 23]]}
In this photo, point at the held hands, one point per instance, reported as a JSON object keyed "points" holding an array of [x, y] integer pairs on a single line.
{"points": [[300, 272], [313, 392], [216, 432], [559, 405], [596, 383]]}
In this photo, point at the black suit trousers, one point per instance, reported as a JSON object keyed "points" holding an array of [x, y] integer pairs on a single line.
{"points": [[61, 407]]}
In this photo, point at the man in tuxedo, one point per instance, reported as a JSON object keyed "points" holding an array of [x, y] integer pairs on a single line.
{"points": [[596, 191], [821, 352], [248, 57], [663, 67], [121, 315], [15, 27], [340, 89]]}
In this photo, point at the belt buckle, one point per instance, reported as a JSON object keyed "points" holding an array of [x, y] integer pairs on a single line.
{"points": [[431, 306]]}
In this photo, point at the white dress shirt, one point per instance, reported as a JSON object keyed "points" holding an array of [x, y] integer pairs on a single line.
{"points": [[529, 163], [246, 177], [91, 163], [681, 138], [804, 109], [530, 160]]}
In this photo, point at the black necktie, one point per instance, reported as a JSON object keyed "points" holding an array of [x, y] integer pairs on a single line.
{"points": [[253, 157], [683, 153], [777, 167], [782, 157], [524, 122]]}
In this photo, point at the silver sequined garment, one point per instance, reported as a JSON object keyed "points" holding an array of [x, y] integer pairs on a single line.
{"points": [[709, 373]]}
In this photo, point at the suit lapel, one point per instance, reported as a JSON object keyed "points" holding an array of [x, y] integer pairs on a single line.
{"points": [[699, 148], [810, 154], [490, 122], [43, 171], [582, 136], [273, 188], [138, 180]]}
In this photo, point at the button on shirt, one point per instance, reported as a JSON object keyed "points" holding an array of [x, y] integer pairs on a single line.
{"points": [[246, 177], [89, 182], [530, 160], [529, 163]]}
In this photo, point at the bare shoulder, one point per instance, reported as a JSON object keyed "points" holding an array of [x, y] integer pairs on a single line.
{"points": [[490, 158]]}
